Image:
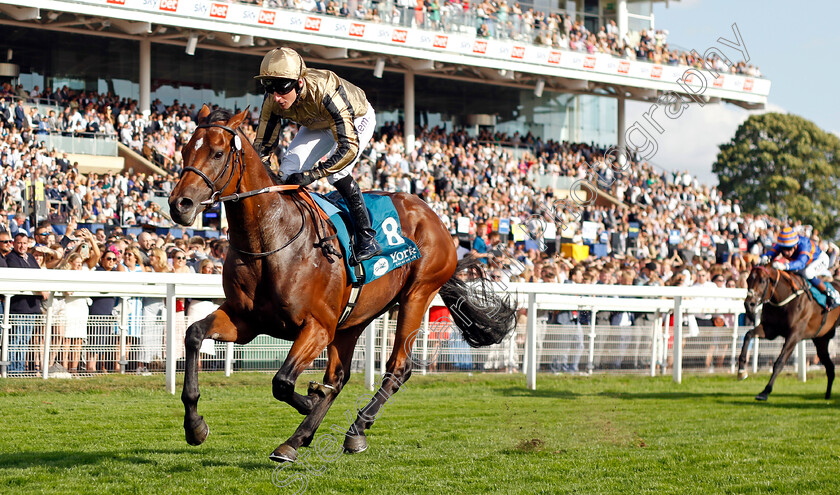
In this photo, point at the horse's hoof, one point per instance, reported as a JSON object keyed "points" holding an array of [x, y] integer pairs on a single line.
{"points": [[762, 396], [198, 433], [355, 444], [742, 375], [283, 453]]}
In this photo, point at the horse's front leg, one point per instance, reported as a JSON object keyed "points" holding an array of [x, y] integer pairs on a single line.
{"points": [[218, 326], [742, 359]]}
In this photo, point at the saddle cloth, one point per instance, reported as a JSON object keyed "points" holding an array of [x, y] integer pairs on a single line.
{"points": [[396, 249], [821, 298]]}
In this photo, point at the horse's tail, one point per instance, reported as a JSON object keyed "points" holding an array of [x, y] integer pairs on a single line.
{"points": [[483, 317]]}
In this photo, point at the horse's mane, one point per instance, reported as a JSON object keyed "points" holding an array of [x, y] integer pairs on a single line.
{"points": [[217, 115], [224, 115]]}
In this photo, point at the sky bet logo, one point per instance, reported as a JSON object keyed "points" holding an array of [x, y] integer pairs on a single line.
{"points": [[441, 41], [554, 57], [399, 36], [218, 10], [517, 52], [266, 17], [480, 47], [117, 2], [357, 30], [718, 82], [312, 24], [656, 72], [623, 67], [748, 84], [169, 5]]}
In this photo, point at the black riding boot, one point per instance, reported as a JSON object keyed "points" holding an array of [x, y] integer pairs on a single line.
{"points": [[366, 245]]}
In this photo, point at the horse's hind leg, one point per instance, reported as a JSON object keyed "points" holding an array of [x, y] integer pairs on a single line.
{"points": [[337, 374], [311, 340], [821, 343], [218, 326], [787, 350], [398, 369]]}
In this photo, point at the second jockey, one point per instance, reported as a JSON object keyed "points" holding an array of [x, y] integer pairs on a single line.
{"points": [[801, 255]]}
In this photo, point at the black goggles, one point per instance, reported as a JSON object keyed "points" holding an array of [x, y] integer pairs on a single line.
{"points": [[279, 86]]}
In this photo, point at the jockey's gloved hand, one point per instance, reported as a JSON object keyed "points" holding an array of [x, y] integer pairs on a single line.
{"points": [[306, 178], [779, 265], [266, 159], [764, 260]]}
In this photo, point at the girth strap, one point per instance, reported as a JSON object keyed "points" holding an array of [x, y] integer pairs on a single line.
{"points": [[355, 291]]}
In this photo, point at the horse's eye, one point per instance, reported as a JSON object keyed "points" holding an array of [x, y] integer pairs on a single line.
{"points": [[218, 155]]}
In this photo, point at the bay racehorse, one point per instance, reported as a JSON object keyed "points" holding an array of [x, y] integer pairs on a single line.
{"points": [[280, 278], [788, 310]]}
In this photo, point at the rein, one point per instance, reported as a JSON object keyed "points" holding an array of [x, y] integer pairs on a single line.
{"points": [[769, 292], [791, 297], [235, 157]]}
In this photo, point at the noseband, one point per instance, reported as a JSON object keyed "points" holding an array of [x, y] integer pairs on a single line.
{"points": [[234, 156]]}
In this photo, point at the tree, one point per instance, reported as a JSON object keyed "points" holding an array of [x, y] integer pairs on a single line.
{"points": [[784, 166]]}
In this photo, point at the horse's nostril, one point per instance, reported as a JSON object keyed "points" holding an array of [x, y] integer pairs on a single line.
{"points": [[185, 204]]}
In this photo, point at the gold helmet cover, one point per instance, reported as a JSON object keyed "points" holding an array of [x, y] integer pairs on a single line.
{"points": [[283, 63]]}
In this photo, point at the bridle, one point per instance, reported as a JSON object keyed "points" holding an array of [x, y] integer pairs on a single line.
{"points": [[769, 291], [234, 156]]}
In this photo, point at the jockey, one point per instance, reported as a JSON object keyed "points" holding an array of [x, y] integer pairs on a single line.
{"points": [[335, 119], [804, 257]]}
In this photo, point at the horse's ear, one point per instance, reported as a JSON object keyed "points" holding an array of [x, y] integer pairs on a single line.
{"points": [[237, 119], [203, 113]]}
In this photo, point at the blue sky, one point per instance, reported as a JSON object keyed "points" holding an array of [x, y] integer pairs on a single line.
{"points": [[792, 43]]}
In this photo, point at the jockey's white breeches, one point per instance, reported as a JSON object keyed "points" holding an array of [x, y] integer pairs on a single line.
{"points": [[309, 146]]}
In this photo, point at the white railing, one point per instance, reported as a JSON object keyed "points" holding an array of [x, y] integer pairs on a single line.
{"points": [[659, 302]]}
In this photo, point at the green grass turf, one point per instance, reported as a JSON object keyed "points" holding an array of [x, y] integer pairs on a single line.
{"points": [[442, 434]]}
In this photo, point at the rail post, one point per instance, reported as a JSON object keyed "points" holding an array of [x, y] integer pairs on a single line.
{"points": [[170, 338], [370, 355], [425, 341], [383, 349], [802, 360], [4, 342], [733, 364], [123, 361], [531, 340], [228, 358], [590, 367], [48, 321], [678, 313], [654, 341]]}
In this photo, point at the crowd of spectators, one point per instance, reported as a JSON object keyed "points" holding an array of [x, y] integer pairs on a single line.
{"points": [[81, 319], [510, 21]]}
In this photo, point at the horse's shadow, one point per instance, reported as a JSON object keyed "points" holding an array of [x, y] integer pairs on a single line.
{"points": [[68, 459], [540, 393], [810, 401]]}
